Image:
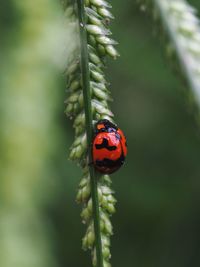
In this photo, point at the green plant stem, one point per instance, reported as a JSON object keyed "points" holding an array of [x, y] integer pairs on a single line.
{"points": [[89, 128], [183, 57]]}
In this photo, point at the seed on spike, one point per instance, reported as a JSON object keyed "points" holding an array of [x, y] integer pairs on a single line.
{"points": [[105, 40], [111, 51], [105, 13], [97, 30], [100, 3], [101, 50]]}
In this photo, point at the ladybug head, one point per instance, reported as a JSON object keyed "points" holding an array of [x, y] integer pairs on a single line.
{"points": [[104, 126]]}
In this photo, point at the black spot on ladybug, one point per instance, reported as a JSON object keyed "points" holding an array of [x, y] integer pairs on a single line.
{"points": [[102, 130], [104, 144], [110, 165]]}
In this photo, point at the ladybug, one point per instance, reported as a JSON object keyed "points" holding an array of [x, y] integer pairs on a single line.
{"points": [[109, 147]]}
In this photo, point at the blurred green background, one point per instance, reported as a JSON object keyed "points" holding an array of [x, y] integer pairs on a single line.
{"points": [[158, 216]]}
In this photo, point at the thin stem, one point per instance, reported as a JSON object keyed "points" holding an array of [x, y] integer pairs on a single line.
{"points": [[89, 128]]}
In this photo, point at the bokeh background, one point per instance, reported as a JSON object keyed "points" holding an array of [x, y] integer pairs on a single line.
{"points": [[158, 215]]}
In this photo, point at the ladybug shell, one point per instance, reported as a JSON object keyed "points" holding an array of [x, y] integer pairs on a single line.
{"points": [[109, 147], [123, 141]]}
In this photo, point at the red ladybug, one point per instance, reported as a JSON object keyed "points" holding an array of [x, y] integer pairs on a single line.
{"points": [[109, 147]]}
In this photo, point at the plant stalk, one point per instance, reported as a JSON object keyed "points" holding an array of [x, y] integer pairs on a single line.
{"points": [[89, 128], [184, 58]]}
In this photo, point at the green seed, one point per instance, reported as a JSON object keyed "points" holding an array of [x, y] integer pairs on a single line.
{"points": [[111, 199], [69, 109], [84, 142], [77, 142], [104, 201], [79, 129], [74, 66], [72, 98], [89, 205], [95, 21], [85, 214], [106, 264], [79, 196], [106, 190], [105, 13], [72, 154], [80, 99], [102, 225], [100, 3], [100, 194], [87, 2], [76, 108], [94, 58], [95, 68], [100, 94], [90, 239], [97, 30], [106, 253], [91, 40], [83, 182], [107, 179], [80, 120], [92, 12], [86, 192], [74, 85], [84, 243], [105, 40], [97, 76], [79, 152], [108, 227], [98, 107], [100, 86], [111, 51], [105, 240], [111, 209], [69, 12], [99, 104], [101, 50]]}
